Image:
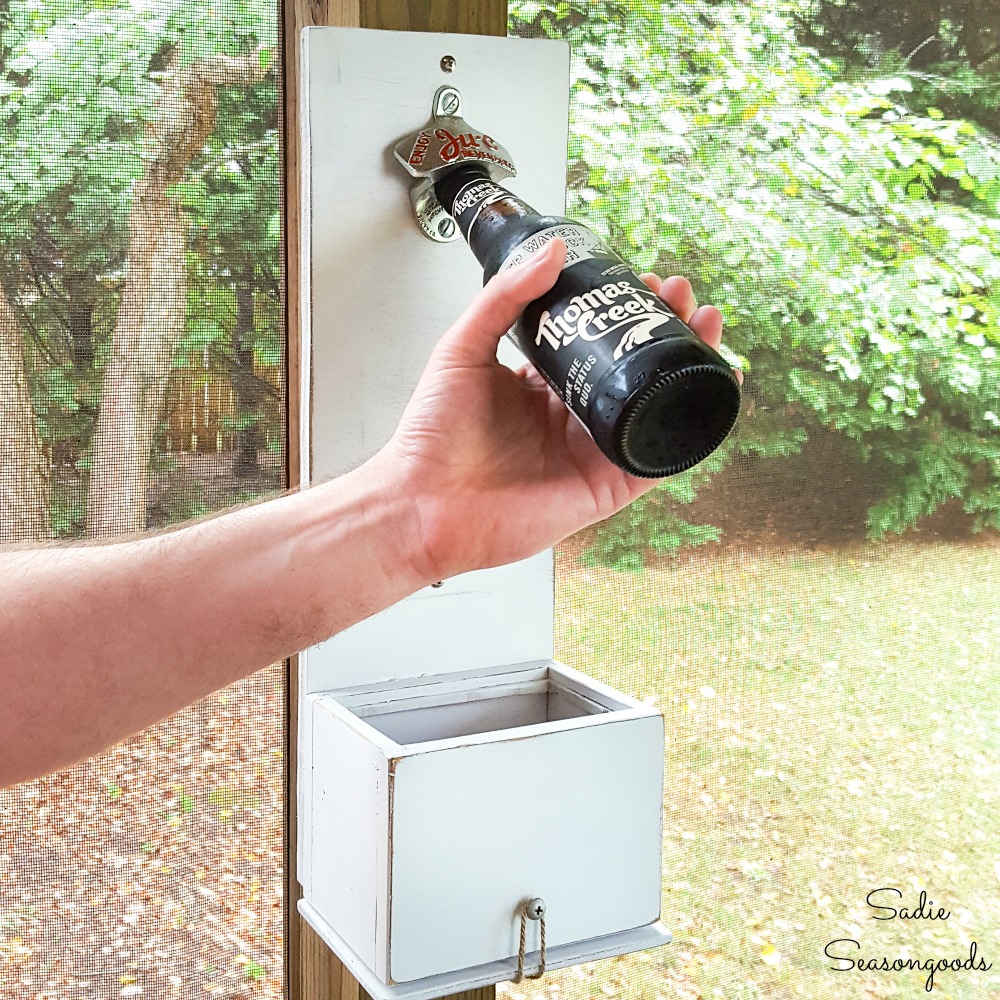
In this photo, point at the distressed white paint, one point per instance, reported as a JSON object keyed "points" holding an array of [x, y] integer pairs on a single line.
{"points": [[483, 619], [479, 827], [380, 292], [448, 768], [561, 778], [434, 987], [377, 294], [349, 821]]}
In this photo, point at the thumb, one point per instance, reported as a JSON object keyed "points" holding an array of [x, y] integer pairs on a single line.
{"points": [[474, 337]]}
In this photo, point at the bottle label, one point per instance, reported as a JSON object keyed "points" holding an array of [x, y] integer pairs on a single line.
{"points": [[473, 198], [594, 317], [618, 310], [581, 244]]}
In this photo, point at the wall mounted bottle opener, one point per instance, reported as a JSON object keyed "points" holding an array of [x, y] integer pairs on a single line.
{"points": [[392, 832], [444, 142]]}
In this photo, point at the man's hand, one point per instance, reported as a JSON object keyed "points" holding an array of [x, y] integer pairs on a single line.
{"points": [[494, 464]]}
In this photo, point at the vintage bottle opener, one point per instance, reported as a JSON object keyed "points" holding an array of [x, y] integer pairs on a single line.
{"points": [[444, 142]]}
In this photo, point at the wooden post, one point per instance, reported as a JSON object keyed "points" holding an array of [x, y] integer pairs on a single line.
{"points": [[312, 971]]}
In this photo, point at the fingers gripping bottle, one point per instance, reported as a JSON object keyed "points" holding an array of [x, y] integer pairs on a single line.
{"points": [[655, 397]]}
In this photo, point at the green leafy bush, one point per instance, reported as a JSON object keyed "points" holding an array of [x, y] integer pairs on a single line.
{"points": [[848, 233]]}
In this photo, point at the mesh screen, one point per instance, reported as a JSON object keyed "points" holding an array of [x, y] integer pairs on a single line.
{"points": [[814, 609], [142, 384]]}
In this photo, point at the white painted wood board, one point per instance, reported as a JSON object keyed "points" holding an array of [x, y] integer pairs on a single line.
{"points": [[394, 835], [464, 827], [572, 817], [434, 987], [484, 619], [344, 869], [377, 294]]}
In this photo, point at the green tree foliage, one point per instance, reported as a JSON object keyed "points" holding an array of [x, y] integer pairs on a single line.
{"points": [[949, 49], [926, 33], [848, 231], [81, 108], [234, 296]]}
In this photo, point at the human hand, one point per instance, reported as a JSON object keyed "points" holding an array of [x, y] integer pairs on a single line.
{"points": [[494, 465]]}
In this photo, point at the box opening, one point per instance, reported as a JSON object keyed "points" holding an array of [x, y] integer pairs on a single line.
{"points": [[469, 712]]}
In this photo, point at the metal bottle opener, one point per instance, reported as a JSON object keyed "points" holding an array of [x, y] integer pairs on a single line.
{"points": [[447, 140]]}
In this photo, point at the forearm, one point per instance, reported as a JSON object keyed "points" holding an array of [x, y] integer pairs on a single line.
{"points": [[98, 642]]}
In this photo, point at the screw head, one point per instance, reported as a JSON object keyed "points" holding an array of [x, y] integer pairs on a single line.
{"points": [[448, 63], [535, 908], [447, 102], [446, 228]]}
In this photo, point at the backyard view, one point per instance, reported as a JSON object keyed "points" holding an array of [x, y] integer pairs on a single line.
{"points": [[815, 612], [142, 383], [832, 716], [814, 609]]}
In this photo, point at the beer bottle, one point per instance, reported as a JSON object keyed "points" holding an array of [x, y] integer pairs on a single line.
{"points": [[653, 395]]}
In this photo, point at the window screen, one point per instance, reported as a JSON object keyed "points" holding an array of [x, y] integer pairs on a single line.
{"points": [[814, 609], [142, 384]]}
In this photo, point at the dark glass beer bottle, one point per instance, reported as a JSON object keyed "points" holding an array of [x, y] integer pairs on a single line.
{"points": [[653, 395]]}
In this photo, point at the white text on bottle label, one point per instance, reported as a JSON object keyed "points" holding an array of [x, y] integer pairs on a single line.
{"points": [[581, 244]]}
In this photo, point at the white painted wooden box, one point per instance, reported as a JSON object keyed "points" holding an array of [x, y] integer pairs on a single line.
{"points": [[449, 768]]}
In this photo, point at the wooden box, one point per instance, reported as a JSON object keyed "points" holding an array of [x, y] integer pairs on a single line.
{"points": [[449, 768], [440, 805]]}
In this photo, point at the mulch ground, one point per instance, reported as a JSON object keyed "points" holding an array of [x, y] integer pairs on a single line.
{"points": [[155, 870]]}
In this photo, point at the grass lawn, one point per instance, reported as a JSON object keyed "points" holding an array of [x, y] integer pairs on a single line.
{"points": [[833, 727]]}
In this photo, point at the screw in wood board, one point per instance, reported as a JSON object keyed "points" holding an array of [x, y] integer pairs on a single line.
{"points": [[447, 103], [448, 63]]}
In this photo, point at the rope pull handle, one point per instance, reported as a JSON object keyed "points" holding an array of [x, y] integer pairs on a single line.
{"points": [[531, 909]]}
